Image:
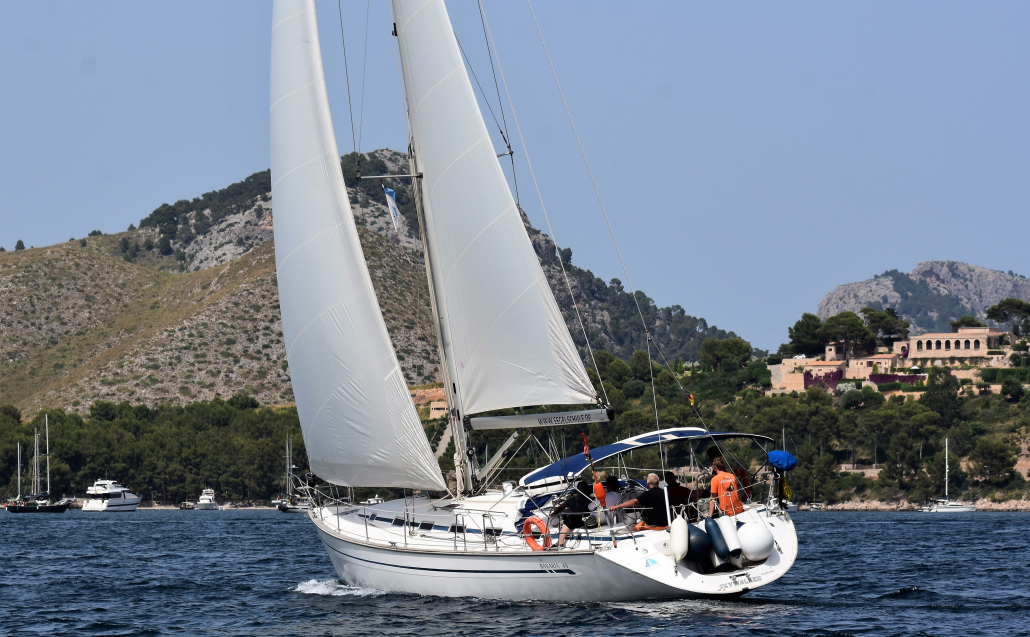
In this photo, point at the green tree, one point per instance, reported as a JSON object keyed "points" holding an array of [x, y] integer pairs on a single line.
{"points": [[20, 245], [941, 396], [726, 354], [850, 330], [1011, 311], [886, 325], [965, 321], [902, 465], [993, 461], [805, 336], [164, 246], [1012, 389]]}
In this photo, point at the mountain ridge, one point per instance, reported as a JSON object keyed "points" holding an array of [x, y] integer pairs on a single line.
{"points": [[932, 295], [185, 307]]}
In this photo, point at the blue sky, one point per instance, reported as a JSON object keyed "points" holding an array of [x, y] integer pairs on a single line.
{"points": [[751, 156]]}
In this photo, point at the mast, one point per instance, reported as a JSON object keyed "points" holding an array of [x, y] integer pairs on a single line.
{"points": [[35, 467], [47, 418], [19, 471], [502, 339], [945, 468], [463, 465]]}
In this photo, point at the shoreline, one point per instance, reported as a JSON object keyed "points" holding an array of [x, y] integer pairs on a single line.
{"points": [[982, 504]]}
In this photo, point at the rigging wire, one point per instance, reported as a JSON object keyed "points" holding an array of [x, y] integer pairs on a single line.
{"points": [[547, 217], [611, 231], [346, 71], [364, 65], [483, 93], [500, 103]]}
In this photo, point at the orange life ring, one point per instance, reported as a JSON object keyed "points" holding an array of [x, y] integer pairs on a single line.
{"points": [[527, 531]]}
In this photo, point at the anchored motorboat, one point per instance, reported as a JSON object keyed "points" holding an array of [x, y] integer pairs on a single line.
{"points": [[503, 345], [207, 501], [109, 496]]}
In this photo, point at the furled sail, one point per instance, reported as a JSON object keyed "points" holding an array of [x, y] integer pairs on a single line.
{"points": [[502, 332], [360, 425]]}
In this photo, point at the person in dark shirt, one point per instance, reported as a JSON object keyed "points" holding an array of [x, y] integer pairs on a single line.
{"points": [[652, 504], [680, 496], [574, 507]]}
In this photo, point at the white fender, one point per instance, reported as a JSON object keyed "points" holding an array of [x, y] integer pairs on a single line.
{"points": [[756, 542], [728, 526], [679, 540]]}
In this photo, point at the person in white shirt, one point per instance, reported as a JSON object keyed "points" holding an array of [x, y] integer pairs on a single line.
{"points": [[612, 496]]}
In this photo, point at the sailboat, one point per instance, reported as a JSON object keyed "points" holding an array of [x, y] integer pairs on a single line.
{"points": [[37, 502], [944, 505], [502, 342], [288, 501]]}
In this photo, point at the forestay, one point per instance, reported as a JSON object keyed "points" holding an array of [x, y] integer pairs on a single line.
{"points": [[503, 334], [360, 426]]}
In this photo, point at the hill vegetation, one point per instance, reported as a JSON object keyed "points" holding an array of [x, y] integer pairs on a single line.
{"points": [[185, 307]]}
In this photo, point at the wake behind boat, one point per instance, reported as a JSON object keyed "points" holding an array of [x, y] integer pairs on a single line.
{"points": [[503, 345]]}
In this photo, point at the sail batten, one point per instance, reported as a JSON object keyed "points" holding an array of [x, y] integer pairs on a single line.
{"points": [[503, 336], [360, 425]]}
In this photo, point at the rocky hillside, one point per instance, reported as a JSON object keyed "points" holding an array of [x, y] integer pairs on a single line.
{"points": [[185, 307], [931, 295]]}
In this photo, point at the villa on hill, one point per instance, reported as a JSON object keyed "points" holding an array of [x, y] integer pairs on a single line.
{"points": [[967, 351]]}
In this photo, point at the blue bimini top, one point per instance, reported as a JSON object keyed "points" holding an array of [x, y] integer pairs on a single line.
{"points": [[577, 463]]}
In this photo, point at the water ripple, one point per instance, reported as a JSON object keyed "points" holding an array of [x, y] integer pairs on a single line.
{"points": [[249, 572]]}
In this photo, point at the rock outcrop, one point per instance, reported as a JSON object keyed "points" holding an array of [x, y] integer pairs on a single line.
{"points": [[931, 295]]}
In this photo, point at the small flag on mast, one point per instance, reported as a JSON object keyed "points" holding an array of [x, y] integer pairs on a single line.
{"points": [[391, 203]]}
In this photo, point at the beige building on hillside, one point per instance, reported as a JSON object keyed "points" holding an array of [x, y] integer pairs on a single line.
{"points": [[968, 342], [862, 366]]}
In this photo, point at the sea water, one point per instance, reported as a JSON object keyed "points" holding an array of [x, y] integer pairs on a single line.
{"points": [[266, 573]]}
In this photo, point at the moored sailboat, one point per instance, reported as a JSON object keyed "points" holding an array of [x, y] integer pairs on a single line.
{"points": [[37, 502], [503, 344], [945, 505]]}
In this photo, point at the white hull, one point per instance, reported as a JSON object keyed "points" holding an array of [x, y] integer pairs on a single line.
{"points": [[120, 505], [206, 506], [950, 507], [634, 568]]}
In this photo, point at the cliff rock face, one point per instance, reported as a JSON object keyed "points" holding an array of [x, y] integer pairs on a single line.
{"points": [[932, 295]]}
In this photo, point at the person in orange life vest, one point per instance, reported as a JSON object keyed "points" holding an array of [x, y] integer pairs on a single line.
{"points": [[724, 490], [743, 478]]}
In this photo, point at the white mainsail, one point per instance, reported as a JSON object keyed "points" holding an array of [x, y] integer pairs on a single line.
{"points": [[360, 425], [504, 339]]}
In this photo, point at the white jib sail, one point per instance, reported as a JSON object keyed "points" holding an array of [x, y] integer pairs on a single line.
{"points": [[503, 333], [360, 425]]}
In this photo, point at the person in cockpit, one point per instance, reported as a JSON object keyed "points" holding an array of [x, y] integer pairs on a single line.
{"points": [[576, 505], [612, 496]]}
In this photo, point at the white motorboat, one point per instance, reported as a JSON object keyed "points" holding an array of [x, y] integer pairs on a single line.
{"points": [[207, 501], [503, 345], [944, 505], [297, 505], [109, 496]]}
